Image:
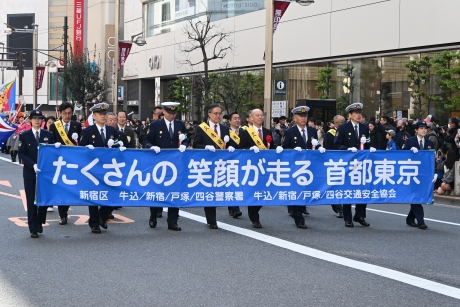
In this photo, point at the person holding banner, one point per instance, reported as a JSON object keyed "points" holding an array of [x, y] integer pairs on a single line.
{"points": [[28, 152], [416, 143], [67, 132], [212, 135], [99, 135], [257, 138], [166, 133], [235, 131], [352, 136]]}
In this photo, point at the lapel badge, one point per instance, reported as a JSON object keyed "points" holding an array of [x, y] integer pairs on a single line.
{"points": [[93, 136], [349, 133], [295, 138], [161, 132]]}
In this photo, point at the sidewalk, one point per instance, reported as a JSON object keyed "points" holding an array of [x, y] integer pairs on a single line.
{"points": [[446, 200]]}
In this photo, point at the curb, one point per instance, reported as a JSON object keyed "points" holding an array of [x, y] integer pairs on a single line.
{"points": [[447, 200]]}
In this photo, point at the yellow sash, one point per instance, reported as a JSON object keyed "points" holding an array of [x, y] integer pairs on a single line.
{"points": [[62, 134], [214, 137], [333, 132], [245, 127], [255, 137], [234, 137]]}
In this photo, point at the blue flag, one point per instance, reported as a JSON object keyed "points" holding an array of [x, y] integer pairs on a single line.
{"points": [[6, 129]]}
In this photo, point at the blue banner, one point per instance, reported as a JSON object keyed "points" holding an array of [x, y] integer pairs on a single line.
{"points": [[198, 178]]}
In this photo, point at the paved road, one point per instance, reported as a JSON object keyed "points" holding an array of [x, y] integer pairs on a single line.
{"points": [[387, 264]]}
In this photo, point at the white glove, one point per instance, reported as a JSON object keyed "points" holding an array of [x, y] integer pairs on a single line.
{"points": [[156, 148], [414, 149], [279, 149], [181, 137], [110, 143], [57, 144], [226, 139], [231, 149], [435, 177], [322, 150], [121, 144], [182, 148], [299, 149], [363, 140], [372, 149], [314, 142], [122, 148], [14, 137], [255, 148], [352, 149], [74, 136], [90, 147], [210, 148], [36, 168]]}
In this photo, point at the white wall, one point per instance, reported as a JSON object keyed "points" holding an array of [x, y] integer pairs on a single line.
{"points": [[325, 29]]}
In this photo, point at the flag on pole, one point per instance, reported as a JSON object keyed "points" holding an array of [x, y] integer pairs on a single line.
{"points": [[6, 129], [8, 96]]}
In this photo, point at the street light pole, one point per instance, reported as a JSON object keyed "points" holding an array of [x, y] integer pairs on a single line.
{"points": [[34, 64], [3, 69], [115, 59]]}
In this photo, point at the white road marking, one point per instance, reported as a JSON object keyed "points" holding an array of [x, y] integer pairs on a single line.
{"points": [[354, 264], [426, 219], [9, 160], [10, 296]]}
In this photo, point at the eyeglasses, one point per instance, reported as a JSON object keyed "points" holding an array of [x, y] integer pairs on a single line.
{"points": [[217, 113], [66, 113]]}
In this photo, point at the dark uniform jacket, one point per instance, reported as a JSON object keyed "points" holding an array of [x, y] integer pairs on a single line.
{"points": [[28, 150], [329, 138], [92, 136], [130, 138], [247, 142], [158, 135], [414, 142], [293, 138], [201, 139], [346, 136], [74, 127]]}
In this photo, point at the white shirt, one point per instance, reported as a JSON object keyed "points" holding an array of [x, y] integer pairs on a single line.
{"points": [[306, 132], [423, 142], [357, 125], [167, 124], [103, 129], [35, 131], [211, 124]]}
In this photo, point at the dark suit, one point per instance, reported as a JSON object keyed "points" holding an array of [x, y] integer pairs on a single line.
{"points": [[74, 127], [130, 138], [159, 136], [346, 138], [328, 143], [201, 140], [246, 142], [416, 210], [92, 136], [28, 153], [292, 139]]}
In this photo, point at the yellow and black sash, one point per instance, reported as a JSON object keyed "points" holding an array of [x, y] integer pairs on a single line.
{"points": [[62, 134], [255, 137], [234, 137], [214, 137]]}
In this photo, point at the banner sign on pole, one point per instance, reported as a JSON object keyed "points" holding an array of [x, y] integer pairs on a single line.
{"points": [[279, 8], [123, 51], [78, 26], [39, 78], [198, 178]]}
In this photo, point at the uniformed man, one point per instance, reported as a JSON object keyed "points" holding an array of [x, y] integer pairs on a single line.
{"points": [[28, 152], [350, 136], [166, 133], [234, 120], [66, 132], [211, 135], [416, 143], [300, 137], [255, 138], [121, 126], [99, 135]]}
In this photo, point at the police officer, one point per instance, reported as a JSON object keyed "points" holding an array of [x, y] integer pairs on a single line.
{"points": [[28, 152], [67, 132], [416, 143], [211, 135], [300, 137], [350, 136], [98, 135], [165, 133]]}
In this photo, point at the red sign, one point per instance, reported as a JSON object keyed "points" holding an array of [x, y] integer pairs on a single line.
{"points": [[78, 26], [278, 12], [123, 52], [39, 78]]}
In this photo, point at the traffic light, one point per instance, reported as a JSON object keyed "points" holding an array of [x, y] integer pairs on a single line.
{"points": [[20, 59]]}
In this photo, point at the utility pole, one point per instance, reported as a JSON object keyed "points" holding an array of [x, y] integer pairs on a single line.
{"points": [[64, 91], [34, 64], [20, 64]]}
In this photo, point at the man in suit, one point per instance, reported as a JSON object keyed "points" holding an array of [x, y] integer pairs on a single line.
{"points": [[130, 135], [98, 135], [28, 152], [66, 132], [300, 137], [255, 141], [416, 143], [328, 143], [350, 136], [235, 121], [165, 133], [213, 138]]}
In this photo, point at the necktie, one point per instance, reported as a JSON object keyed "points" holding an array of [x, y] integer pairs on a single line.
{"points": [[215, 129], [304, 136], [421, 144], [236, 131], [122, 130], [356, 132], [66, 128], [37, 137], [260, 134], [102, 135], [170, 130]]}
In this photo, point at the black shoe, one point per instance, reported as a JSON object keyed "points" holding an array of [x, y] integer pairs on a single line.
{"points": [[174, 227], [305, 211], [103, 223], [110, 216], [237, 214], [339, 215], [230, 212], [290, 212], [422, 226], [40, 228], [411, 224], [349, 224], [95, 229], [256, 225], [361, 220], [153, 222], [63, 221], [159, 214], [301, 225], [213, 226], [34, 235]]}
